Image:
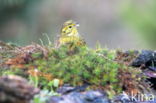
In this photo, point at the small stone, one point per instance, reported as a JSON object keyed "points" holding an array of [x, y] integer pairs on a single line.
{"points": [[81, 97], [67, 89], [15, 89], [147, 58]]}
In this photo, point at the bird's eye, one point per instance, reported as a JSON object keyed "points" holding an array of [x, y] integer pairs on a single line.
{"points": [[70, 26]]}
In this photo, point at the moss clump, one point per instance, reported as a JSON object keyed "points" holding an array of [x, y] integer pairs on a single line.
{"points": [[81, 65], [77, 65]]}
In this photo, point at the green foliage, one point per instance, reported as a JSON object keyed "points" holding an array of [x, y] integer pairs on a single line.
{"points": [[74, 65], [45, 93], [34, 80], [43, 96], [81, 65], [12, 71]]}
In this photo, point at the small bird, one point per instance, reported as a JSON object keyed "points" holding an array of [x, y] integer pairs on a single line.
{"points": [[69, 34]]}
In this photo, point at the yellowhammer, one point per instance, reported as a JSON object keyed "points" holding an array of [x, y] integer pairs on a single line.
{"points": [[69, 34]]}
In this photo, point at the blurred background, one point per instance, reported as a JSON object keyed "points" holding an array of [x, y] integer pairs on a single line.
{"points": [[126, 24]]}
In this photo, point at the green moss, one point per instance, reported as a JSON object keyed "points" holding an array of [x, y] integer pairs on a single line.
{"points": [[81, 65], [78, 65]]}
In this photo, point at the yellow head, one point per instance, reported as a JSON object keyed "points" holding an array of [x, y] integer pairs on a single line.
{"points": [[69, 29]]}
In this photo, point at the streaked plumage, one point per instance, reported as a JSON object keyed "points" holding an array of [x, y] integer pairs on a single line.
{"points": [[69, 34]]}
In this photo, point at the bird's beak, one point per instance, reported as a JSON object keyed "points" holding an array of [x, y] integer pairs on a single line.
{"points": [[77, 24]]}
